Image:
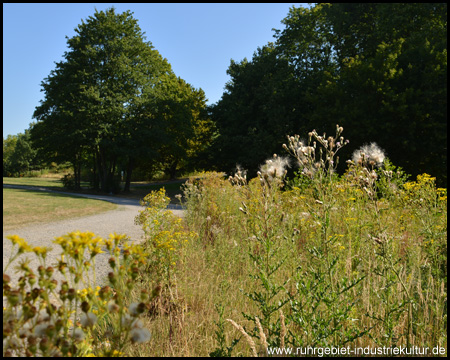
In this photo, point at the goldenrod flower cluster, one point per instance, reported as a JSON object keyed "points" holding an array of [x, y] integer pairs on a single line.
{"points": [[48, 317], [164, 232]]}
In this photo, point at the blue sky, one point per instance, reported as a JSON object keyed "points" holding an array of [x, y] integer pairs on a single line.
{"points": [[198, 40]]}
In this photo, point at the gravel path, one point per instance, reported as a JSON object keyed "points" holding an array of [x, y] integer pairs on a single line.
{"points": [[120, 221]]}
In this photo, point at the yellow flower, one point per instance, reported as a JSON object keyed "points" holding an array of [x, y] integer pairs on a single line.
{"points": [[425, 178], [41, 251], [95, 250], [21, 243], [109, 243], [117, 238], [15, 239]]}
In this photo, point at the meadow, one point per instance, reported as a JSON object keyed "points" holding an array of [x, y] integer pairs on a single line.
{"points": [[22, 207], [319, 260], [138, 189], [53, 183]]}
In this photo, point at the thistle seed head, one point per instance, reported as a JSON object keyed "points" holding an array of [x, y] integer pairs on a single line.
{"points": [[369, 154]]}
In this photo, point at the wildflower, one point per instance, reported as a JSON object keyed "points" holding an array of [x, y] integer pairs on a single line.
{"points": [[139, 335], [241, 173], [127, 320], [138, 324], [78, 334], [369, 154], [25, 330], [275, 168], [23, 245], [88, 319], [40, 330], [41, 251], [131, 322], [113, 307], [14, 342], [133, 309]]}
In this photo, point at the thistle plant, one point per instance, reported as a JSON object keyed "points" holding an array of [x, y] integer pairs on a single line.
{"points": [[323, 302], [47, 317], [389, 267], [369, 156], [320, 168], [263, 226], [313, 165]]}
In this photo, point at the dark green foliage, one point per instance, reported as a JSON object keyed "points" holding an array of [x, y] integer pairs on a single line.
{"points": [[379, 70], [19, 155], [68, 181], [255, 112], [114, 102], [222, 350]]}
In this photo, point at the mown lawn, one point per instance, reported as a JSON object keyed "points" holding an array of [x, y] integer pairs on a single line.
{"points": [[24, 207], [138, 189], [34, 181]]}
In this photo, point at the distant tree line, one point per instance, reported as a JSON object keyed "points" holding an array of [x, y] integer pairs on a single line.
{"points": [[377, 69], [19, 155], [114, 105]]}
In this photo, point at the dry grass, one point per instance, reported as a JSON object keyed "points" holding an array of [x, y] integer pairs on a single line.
{"points": [[25, 207], [216, 270], [374, 269]]}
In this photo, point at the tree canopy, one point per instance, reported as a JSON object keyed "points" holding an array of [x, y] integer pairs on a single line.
{"points": [[379, 70], [19, 156], [104, 102]]}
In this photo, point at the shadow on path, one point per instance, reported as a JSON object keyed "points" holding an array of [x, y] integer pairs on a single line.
{"points": [[113, 199]]}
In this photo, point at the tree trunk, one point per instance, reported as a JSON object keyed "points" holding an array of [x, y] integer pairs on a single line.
{"points": [[78, 178], [130, 166], [95, 182], [103, 171], [76, 171], [173, 170]]}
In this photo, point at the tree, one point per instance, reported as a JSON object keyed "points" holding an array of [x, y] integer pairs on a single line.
{"points": [[93, 98], [19, 156], [385, 78], [256, 111], [9, 145], [377, 69], [182, 110]]}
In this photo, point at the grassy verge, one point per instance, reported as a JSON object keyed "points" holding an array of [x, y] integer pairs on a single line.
{"points": [[24, 207], [345, 269], [357, 261], [138, 190], [34, 181]]}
